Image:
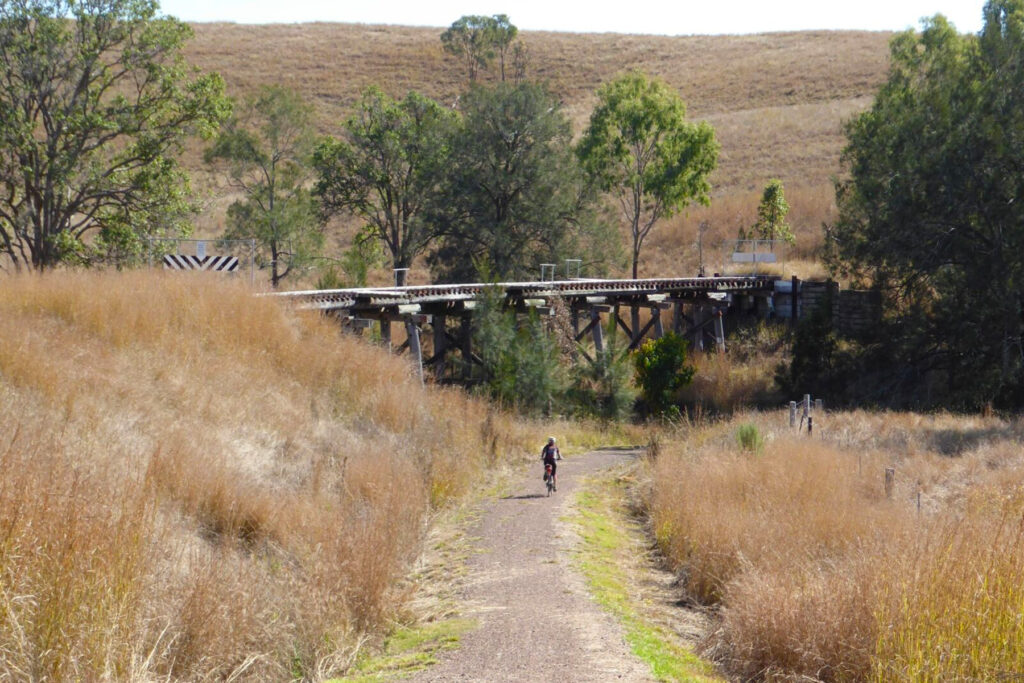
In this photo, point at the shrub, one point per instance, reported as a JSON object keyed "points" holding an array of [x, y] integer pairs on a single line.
{"points": [[661, 370], [602, 388], [749, 438], [520, 359]]}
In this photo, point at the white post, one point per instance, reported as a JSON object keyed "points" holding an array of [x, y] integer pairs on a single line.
{"points": [[792, 414]]}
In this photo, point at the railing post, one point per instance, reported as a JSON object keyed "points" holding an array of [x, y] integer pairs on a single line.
{"points": [[794, 299]]}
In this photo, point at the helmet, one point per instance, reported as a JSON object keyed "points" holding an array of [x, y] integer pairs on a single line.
{"points": [[551, 439]]}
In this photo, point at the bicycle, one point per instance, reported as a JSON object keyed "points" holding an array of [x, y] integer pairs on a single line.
{"points": [[549, 478]]}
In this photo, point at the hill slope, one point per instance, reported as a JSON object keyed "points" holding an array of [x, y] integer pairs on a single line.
{"points": [[197, 483], [777, 101]]}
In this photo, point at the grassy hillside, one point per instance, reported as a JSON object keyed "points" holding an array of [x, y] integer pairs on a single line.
{"points": [[777, 101], [197, 483]]}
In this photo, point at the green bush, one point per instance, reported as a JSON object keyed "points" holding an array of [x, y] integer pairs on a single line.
{"points": [[661, 370], [749, 438], [520, 359], [603, 388]]}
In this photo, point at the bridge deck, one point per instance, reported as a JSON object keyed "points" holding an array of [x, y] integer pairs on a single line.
{"points": [[634, 291]]}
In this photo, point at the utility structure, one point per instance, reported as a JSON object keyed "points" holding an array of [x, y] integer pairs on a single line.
{"points": [[443, 314]]}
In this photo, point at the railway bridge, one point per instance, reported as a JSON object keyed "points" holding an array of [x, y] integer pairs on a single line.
{"points": [[437, 319]]}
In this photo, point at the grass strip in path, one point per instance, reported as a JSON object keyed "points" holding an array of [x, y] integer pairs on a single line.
{"points": [[608, 558], [408, 650]]}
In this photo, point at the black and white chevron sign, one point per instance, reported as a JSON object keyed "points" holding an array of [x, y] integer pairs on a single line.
{"points": [[221, 264]]}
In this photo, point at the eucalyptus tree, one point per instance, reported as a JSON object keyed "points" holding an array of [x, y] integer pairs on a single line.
{"points": [[475, 39], [386, 170], [95, 103], [641, 149]]}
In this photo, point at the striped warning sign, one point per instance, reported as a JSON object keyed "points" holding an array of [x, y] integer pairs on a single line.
{"points": [[221, 264]]}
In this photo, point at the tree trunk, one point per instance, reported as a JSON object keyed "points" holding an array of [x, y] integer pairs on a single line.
{"points": [[274, 277]]}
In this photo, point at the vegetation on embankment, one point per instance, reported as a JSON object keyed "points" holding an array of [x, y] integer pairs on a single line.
{"points": [[196, 482], [815, 572]]}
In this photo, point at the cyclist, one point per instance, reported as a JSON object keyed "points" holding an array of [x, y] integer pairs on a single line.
{"points": [[548, 455]]}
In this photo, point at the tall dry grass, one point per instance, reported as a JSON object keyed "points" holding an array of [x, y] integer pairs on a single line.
{"points": [[743, 376], [816, 573], [197, 483]]}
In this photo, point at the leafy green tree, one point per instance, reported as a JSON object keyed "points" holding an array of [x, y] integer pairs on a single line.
{"points": [[771, 214], [95, 102], [476, 39], [521, 362], [640, 147], [515, 195], [661, 370], [931, 212], [267, 148], [387, 169]]}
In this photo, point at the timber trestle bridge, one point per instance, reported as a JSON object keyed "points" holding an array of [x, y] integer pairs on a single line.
{"points": [[692, 307]]}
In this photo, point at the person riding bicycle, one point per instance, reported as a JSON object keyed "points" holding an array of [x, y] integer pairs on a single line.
{"points": [[549, 455]]}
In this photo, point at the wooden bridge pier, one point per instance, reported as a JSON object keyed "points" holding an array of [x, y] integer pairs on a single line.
{"points": [[698, 306]]}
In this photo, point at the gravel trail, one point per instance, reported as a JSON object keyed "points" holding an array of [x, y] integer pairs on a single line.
{"points": [[536, 622]]}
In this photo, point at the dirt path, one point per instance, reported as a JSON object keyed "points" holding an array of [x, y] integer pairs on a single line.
{"points": [[536, 621]]}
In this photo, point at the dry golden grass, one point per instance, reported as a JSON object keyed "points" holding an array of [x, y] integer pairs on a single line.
{"points": [[819, 575], [777, 102], [197, 483]]}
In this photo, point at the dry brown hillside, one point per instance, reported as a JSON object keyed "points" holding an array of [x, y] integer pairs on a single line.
{"points": [[777, 100]]}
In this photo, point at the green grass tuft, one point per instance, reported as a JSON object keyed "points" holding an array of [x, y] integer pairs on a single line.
{"points": [[605, 549], [409, 649]]}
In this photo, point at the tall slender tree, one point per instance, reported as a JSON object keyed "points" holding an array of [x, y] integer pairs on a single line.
{"points": [[771, 214], [267, 147], [503, 33]]}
